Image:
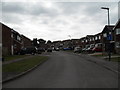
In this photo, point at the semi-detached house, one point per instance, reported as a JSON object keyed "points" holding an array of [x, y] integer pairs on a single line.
{"points": [[117, 36], [12, 41]]}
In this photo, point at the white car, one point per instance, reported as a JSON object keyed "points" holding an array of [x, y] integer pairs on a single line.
{"points": [[77, 49]]}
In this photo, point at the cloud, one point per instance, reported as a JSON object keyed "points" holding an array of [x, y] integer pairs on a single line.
{"points": [[57, 20]]}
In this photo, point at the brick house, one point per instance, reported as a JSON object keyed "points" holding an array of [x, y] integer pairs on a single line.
{"points": [[26, 41], [67, 44], [117, 36], [90, 39], [98, 38], [57, 44], [11, 41], [75, 42], [6, 40], [108, 37], [16, 42], [83, 42]]}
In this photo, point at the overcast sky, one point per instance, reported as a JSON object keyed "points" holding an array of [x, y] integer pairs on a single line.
{"points": [[58, 20]]}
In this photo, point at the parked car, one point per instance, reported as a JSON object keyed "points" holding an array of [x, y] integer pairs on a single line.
{"points": [[49, 50], [85, 49], [77, 50], [90, 48], [56, 49], [67, 49], [28, 50], [40, 50], [97, 48]]}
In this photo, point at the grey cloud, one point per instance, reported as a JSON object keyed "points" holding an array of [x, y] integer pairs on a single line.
{"points": [[10, 7], [67, 18], [13, 19], [27, 9]]}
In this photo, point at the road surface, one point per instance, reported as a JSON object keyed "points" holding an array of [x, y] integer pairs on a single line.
{"points": [[66, 70]]}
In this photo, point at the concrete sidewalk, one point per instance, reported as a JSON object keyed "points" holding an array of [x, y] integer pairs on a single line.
{"points": [[113, 66]]}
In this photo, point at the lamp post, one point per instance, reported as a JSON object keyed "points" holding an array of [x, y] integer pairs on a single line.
{"points": [[109, 51], [108, 14]]}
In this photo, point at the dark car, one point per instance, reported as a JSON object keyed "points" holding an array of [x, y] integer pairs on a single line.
{"points": [[40, 50], [49, 50], [67, 49], [28, 50]]}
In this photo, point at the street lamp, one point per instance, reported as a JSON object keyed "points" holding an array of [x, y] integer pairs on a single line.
{"points": [[109, 51], [108, 14]]}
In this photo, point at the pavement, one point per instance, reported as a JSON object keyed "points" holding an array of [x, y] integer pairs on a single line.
{"points": [[68, 70], [113, 66]]}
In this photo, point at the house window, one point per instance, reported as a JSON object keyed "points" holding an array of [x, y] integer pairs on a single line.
{"points": [[118, 31], [90, 39], [99, 37], [109, 32], [18, 38], [82, 40], [11, 35], [117, 44], [96, 38], [105, 35]]}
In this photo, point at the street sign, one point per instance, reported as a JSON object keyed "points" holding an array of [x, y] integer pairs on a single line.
{"points": [[109, 37]]}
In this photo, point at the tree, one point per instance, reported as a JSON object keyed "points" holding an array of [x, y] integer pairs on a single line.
{"points": [[35, 43], [42, 43], [49, 42]]}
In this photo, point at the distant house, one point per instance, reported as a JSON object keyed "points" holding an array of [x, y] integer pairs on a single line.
{"points": [[11, 41], [57, 44], [117, 36], [67, 44], [83, 42], [75, 42], [108, 37], [90, 39]]}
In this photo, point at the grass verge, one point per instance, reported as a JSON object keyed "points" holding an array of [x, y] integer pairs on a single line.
{"points": [[115, 59], [13, 57], [24, 65]]}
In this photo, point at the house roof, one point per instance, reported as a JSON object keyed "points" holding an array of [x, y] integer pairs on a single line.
{"points": [[117, 24], [108, 28], [25, 37]]}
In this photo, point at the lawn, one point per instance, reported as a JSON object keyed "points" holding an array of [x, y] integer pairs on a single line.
{"points": [[24, 65], [13, 57], [103, 55], [115, 59]]}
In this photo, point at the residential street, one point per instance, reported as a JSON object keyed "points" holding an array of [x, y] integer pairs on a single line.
{"points": [[66, 70]]}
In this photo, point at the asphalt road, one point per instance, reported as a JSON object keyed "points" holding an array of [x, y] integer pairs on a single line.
{"points": [[66, 70]]}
